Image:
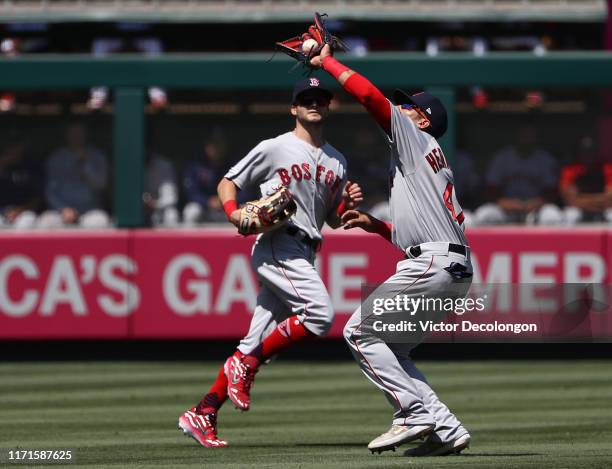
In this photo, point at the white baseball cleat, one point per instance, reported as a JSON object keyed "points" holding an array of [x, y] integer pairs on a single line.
{"points": [[438, 448], [398, 435]]}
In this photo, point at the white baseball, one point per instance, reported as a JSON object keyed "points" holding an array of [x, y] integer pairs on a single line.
{"points": [[308, 44]]}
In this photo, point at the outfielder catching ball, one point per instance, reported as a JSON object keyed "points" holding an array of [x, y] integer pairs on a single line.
{"points": [[293, 304], [427, 224]]}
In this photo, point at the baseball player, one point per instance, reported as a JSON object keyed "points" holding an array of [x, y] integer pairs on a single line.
{"points": [[427, 224], [293, 304]]}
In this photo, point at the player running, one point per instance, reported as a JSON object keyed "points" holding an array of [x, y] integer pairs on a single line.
{"points": [[293, 304], [427, 224]]}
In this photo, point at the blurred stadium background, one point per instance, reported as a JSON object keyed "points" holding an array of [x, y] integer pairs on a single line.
{"points": [[117, 118]]}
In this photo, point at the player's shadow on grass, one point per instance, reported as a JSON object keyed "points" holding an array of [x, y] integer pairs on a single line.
{"points": [[401, 449], [362, 444], [501, 455]]}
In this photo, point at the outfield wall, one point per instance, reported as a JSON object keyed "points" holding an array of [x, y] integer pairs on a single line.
{"points": [[154, 284]]}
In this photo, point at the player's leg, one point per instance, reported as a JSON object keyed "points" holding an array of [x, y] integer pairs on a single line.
{"points": [[268, 313], [384, 361], [309, 314], [216, 395], [200, 422], [449, 435], [448, 427], [239, 369], [285, 266], [378, 362], [382, 366], [304, 322], [202, 428]]}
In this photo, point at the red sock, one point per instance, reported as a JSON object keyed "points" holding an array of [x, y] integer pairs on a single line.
{"points": [[287, 333], [216, 395]]}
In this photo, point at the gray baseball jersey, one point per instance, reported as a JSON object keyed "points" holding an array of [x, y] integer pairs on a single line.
{"points": [[314, 176], [423, 202], [284, 264]]}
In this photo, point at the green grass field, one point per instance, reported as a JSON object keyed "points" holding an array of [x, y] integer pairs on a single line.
{"points": [[520, 414]]}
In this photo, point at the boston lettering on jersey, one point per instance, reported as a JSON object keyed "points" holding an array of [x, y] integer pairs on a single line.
{"points": [[302, 172], [437, 160]]}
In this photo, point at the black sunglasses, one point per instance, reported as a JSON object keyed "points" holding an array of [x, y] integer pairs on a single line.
{"points": [[416, 108], [310, 100]]}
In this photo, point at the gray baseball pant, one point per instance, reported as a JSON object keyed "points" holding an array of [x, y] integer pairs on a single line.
{"points": [[388, 365], [290, 285]]}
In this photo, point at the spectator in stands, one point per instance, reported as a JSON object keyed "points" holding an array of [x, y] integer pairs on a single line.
{"points": [[161, 191], [20, 187], [522, 184], [200, 180], [9, 47], [76, 179], [586, 186], [149, 46]]}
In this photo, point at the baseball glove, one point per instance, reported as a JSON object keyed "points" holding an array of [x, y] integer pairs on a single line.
{"points": [[293, 47], [267, 213]]}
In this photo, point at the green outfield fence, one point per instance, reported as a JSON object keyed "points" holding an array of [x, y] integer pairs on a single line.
{"points": [[130, 75]]}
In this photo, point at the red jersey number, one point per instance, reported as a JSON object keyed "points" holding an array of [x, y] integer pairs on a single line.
{"points": [[448, 201]]}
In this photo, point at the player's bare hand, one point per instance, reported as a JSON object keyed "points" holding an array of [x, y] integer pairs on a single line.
{"points": [[352, 195], [356, 219], [326, 51]]}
